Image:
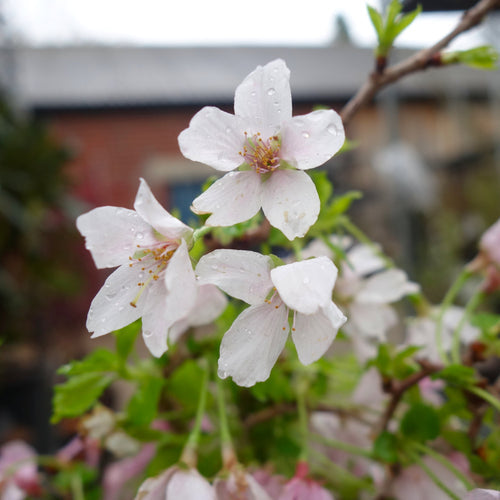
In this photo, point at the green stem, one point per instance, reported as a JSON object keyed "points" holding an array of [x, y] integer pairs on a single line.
{"points": [[297, 249], [486, 396], [189, 452], [444, 461], [474, 301], [341, 445], [303, 418], [200, 232], [416, 458], [228, 455], [77, 487], [447, 302]]}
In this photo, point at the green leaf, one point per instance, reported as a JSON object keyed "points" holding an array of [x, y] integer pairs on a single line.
{"points": [[385, 447], [143, 405], [125, 339], [342, 203], [406, 20], [376, 20], [185, 384], [457, 375], [486, 322], [78, 394], [100, 360], [276, 388], [323, 186], [484, 57], [421, 422]]}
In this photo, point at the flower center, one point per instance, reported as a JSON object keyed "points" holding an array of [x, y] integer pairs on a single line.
{"points": [[262, 155], [152, 261]]}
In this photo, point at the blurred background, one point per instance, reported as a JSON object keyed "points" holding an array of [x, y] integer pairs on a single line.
{"points": [[94, 95]]}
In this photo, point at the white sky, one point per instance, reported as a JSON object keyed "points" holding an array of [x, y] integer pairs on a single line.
{"points": [[209, 22]]}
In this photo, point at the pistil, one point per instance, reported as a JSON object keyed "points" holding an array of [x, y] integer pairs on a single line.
{"points": [[262, 155]]}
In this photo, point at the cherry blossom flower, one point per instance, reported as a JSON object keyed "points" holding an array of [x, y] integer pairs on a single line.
{"points": [[175, 484], [150, 246], [365, 289], [271, 149], [256, 338], [18, 471], [415, 484], [302, 486], [239, 485], [422, 332], [490, 244]]}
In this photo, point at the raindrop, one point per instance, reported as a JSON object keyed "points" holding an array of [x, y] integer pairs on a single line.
{"points": [[305, 135], [253, 93], [306, 280], [147, 333], [140, 276], [120, 308], [215, 267], [332, 129], [271, 91], [228, 130], [139, 236]]}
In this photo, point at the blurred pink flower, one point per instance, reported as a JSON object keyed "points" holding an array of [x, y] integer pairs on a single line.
{"points": [[480, 494], [303, 487], [18, 471]]}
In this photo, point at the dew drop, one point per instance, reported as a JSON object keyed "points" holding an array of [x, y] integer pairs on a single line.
{"points": [[215, 267], [147, 333], [140, 276], [271, 91], [132, 229], [306, 280], [228, 130], [139, 236], [253, 93], [332, 129], [120, 308], [305, 135]]}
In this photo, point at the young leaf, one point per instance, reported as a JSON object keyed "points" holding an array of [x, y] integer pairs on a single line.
{"points": [[385, 447], [484, 57], [143, 405], [78, 394], [421, 422], [100, 360], [376, 20]]}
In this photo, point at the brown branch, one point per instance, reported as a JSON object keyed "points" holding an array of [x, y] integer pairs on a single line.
{"points": [[397, 388], [417, 62]]}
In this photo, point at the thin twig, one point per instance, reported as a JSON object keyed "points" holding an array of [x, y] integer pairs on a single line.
{"points": [[397, 388], [417, 62]]}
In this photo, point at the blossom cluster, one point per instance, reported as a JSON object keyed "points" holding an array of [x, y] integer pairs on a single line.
{"points": [[265, 152]]}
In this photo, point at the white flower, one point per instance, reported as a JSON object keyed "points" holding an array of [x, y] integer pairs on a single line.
{"points": [[155, 279], [422, 332], [481, 494], [272, 149], [252, 345], [176, 484], [366, 289]]}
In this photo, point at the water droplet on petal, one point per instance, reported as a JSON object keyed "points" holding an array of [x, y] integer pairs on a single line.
{"points": [[228, 130], [253, 93], [306, 280], [332, 129], [132, 229], [271, 91], [305, 135], [147, 333], [139, 236]]}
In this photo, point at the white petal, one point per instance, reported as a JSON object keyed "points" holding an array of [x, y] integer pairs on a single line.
{"points": [[234, 198], [290, 202], [154, 319], [154, 488], [451, 319], [181, 285], [307, 285], [250, 348], [150, 210], [482, 494], [372, 320], [111, 310], [242, 274], [169, 301], [189, 485], [215, 138], [314, 333], [386, 287], [363, 259], [112, 234], [210, 302], [310, 140], [264, 97]]}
